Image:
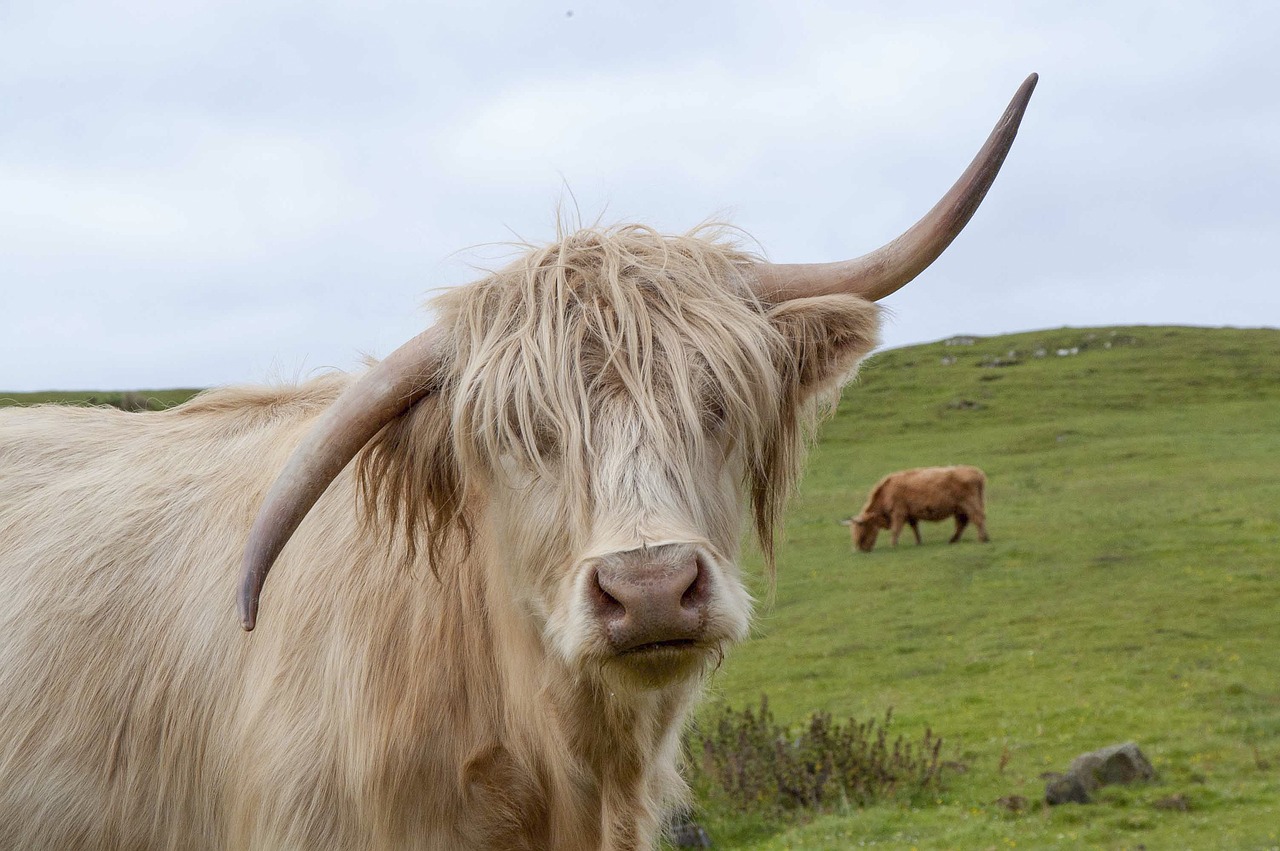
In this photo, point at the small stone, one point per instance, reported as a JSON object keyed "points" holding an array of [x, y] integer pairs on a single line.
{"points": [[1012, 803], [684, 832], [1176, 802], [1067, 789]]}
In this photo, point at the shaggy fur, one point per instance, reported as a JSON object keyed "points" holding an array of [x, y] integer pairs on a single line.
{"points": [[426, 674], [924, 493]]}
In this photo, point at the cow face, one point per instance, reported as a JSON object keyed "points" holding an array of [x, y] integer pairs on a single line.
{"points": [[639, 582], [864, 528], [621, 403]]}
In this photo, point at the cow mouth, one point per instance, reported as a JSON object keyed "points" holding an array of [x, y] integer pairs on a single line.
{"points": [[658, 664], [674, 644]]}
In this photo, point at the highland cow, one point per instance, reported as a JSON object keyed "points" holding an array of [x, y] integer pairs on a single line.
{"points": [[925, 493], [505, 558]]}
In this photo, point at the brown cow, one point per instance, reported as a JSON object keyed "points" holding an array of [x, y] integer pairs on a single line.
{"points": [[506, 557], [925, 493]]}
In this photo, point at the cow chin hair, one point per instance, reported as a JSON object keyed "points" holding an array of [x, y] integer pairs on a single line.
{"points": [[668, 324], [619, 676]]}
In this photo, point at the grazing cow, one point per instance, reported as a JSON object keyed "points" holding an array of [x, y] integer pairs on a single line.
{"points": [[925, 493], [504, 559]]}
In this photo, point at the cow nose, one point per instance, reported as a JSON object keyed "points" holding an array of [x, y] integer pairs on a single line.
{"points": [[651, 597]]}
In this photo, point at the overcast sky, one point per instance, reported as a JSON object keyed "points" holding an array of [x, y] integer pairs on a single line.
{"points": [[199, 193]]}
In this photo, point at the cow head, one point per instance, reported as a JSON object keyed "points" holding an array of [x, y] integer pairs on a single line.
{"points": [[864, 528], [618, 401], [601, 415]]}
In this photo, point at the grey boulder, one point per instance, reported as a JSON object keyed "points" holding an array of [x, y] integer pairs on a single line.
{"points": [[1115, 764]]}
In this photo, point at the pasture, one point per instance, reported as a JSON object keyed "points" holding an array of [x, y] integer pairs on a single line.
{"points": [[154, 399], [1131, 591]]}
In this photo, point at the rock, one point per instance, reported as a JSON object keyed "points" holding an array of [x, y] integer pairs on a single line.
{"points": [[1115, 764], [689, 835], [1066, 789], [1012, 803], [684, 832], [1176, 801]]}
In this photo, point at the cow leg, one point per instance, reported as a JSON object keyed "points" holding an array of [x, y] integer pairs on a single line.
{"points": [[980, 520], [915, 527], [962, 520], [896, 526]]}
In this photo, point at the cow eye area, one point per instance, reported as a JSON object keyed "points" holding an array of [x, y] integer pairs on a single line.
{"points": [[546, 441], [530, 441], [713, 410], [714, 415]]}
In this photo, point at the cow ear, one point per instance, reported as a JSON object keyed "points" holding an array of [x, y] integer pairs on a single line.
{"points": [[827, 336]]}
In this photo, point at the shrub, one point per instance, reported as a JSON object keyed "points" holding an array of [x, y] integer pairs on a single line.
{"points": [[755, 764]]}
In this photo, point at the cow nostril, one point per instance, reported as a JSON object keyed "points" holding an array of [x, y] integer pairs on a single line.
{"points": [[696, 594], [607, 606]]}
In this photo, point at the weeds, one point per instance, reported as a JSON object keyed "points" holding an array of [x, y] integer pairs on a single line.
{"points": [[754, 763]]}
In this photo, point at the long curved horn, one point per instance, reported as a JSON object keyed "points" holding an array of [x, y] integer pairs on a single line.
{"points": [[874, 276], [383, 393]]}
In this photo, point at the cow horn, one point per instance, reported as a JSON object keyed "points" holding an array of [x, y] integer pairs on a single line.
{"points": [[387, 390], [882, 272]]}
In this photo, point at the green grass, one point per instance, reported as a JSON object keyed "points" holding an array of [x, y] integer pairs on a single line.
{"points": [[1131, 591], [158, 398]]}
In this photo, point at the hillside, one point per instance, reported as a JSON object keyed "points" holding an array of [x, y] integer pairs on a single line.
{"points": [[1131, 591]]}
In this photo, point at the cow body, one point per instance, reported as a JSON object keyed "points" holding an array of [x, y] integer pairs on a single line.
{"points": [[925, 493]]}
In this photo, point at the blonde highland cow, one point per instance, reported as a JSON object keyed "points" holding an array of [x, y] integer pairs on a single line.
{"points": [[504, 559]]}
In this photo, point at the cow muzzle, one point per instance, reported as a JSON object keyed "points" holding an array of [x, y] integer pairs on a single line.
{"points": [[653, 600]]}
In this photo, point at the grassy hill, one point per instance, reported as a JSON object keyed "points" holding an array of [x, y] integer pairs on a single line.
{"points": [[1131, 590]]}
